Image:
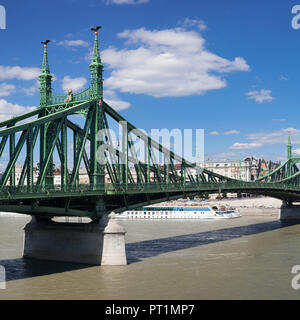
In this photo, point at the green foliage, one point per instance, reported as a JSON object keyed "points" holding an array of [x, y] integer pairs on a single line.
{"points": [[205, 196]]}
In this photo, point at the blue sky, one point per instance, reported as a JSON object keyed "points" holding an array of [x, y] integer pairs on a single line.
{"points": [[229, 67]]}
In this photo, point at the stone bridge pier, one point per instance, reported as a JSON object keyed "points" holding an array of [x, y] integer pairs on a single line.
{"points": [[100, 243], [289, 211]]}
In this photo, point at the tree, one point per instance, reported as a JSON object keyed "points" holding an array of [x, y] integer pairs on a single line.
{"points": [[205, 196], [39, 167]]}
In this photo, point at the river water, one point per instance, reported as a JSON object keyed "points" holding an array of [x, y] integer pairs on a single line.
{"points": [[246, 258]]}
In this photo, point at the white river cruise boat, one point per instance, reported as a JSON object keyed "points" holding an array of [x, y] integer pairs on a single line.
{"points": [[180, 212]]}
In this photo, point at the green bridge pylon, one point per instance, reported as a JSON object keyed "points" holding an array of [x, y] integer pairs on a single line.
{"points": [[117, 179]]}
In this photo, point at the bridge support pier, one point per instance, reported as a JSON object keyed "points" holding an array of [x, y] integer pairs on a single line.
{"points": [[89, 243], [289, 211]]}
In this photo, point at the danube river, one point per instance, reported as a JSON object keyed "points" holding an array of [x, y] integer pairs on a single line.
{"points": [[246, 258]]}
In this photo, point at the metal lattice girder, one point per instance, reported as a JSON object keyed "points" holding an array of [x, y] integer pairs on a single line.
{"points": [[117, 178], [48, 159], [28, 163], [95, 119], [80, 150], [13, 159], [287, 172]]}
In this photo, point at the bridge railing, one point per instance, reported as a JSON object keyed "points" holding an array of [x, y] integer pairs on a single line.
{"points": [[83, 95], [81, 189], [108, 187]]}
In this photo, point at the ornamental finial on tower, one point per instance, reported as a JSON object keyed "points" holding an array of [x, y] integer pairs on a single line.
{"points": [[96, 29], [45, 67], [96, 55]]}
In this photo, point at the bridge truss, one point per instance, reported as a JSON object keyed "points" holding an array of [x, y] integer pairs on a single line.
{"points": [[72, 129]]}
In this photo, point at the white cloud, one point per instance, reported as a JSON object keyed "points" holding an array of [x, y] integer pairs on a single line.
{"points": [[228, 133], [231, 132], [118, 104], [89, 55], [20, 73], [171, 62], [200, 24], [245, 146], [260, 96], [73, 43], [276, 137], [30, 91], [114, 101], [296, 151], [8, 110], [279, 120], [126, 1], [6, 89], [259, 139], [283, 78], [73, 83], [221, 156]]}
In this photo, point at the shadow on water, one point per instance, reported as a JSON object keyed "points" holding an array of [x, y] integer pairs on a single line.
{"points": [[28, 268], [150, 248], [16, 269]]}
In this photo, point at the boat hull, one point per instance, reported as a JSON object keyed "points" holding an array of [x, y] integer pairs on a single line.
{"points": [[185, 215]]}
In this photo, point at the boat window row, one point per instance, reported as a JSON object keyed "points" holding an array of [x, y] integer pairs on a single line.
{"points": [[174, 209]]}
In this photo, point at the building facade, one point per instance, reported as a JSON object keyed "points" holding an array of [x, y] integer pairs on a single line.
{"points": [[248, 169]]}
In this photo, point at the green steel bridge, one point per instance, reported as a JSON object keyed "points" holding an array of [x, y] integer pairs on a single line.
{"points": [[83, 120]]}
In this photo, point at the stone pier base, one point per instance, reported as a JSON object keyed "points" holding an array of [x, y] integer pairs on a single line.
{"points": [[88, 243], [289, 212]]}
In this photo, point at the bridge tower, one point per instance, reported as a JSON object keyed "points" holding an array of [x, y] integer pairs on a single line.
{"points": [[46, 130], [289, 154], [289, 148], [96, 71], [45, 80], [96, 92], [97, 169]]}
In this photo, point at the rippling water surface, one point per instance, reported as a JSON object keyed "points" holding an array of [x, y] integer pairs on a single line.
{"points": [[246, 258]]}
